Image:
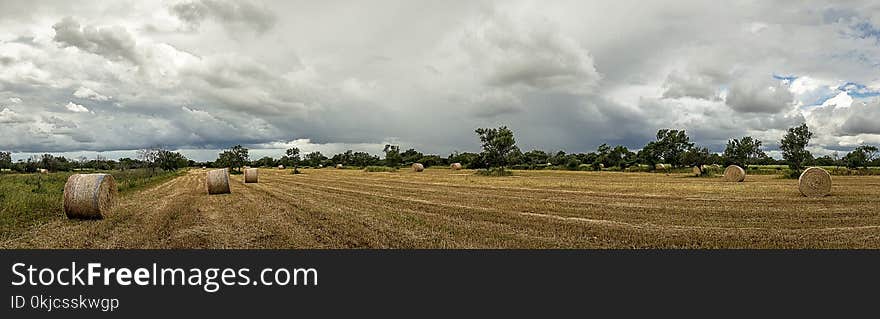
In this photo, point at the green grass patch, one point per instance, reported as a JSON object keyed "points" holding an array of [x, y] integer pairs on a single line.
{"points": [[28, 200]]}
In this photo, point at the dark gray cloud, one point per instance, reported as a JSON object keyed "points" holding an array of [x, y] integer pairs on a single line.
{"points": [[516, 49], [113, 42], [759, 96], [864, 118], [700, 86]]}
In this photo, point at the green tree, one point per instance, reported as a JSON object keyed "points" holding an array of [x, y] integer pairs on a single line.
{"points": [[5, 160], [621, 157], [148, 156], [860, 157], [431, 160], [696, 156], [411, 156], [234, 158], [649, 155], [602, 157], [826, 160], [171, 161], [292, 157], [468, 160], [536, 157], [265, 161], [671, 144], [342, 158], [47, 161], [498, 144], [743, 152], [794, 147], [314, 159], [363, 159], [32, 165], [392, 155], [127, 163], [560, 158]]}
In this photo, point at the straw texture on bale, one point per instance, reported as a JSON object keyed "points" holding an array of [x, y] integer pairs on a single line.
{"points": [[697, 171], [418, 167], [89, 196], [338, 165], [455, 166], [815, 182], [217, 181], [734, 173], [250, 175]]}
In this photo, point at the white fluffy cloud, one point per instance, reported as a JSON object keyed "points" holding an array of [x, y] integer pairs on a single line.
{"points": [[8, 116], [76, 108], [87, 93]]}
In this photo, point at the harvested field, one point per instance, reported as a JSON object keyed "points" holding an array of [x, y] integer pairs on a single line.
{"points": [[440, 208]]}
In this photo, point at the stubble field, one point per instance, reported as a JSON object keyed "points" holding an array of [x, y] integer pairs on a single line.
{"points": [[441, 208]]}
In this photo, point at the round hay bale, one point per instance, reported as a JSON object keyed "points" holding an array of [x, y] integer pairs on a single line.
{"points": [[455, 166], [280, 166], [44, 171], [734, 173], [815, 182], [661, 167], [250, 175], [217, 181], [89, 196], [338, 166], [418, 167], [697, 171]]}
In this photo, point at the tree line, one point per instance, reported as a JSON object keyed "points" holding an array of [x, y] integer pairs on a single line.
{"points": [[155, 159], [499, 151]]}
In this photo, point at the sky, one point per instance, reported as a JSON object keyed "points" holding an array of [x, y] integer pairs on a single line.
{"points": [[90, 78]]}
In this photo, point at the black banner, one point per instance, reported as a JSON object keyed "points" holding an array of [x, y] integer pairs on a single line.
{"points": [[416, 283]]}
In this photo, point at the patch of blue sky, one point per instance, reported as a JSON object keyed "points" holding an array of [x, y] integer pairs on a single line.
{"points": [[854, 90], [789, 79], [858, 91], [865, 29], [823, 98]]}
